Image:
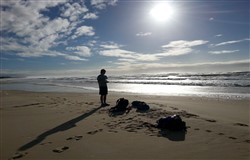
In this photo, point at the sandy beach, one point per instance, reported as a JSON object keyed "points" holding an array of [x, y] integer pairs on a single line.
{"points": [[39, 125]]}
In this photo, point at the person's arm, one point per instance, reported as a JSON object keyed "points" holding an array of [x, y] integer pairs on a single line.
{"points": [[98, 79], [106, 80]]}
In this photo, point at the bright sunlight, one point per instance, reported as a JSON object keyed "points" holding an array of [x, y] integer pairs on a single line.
{"points": [[162, 12]]}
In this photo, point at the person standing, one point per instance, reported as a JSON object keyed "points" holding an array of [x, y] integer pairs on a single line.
{"points": [[103, 88]]}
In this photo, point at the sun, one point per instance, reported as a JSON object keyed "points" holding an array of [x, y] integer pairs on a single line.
{"points": [[162, 12]]}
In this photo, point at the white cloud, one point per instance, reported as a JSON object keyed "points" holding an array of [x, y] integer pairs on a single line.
{"points": [[55, 26], [175, 52], [73, 11], [126, 60], [181, 47], [128, 55], [141, 34], [84, 30], [74, 58], [110, 46], [101, 4], [218, 35], [11, 45], [35, 33], [34, 52], [91, 43], [80, 50], [147, 57], [22, 17], [117, 53], [38, 32], [231, 42], [90, 16], [211, 19], [184, 44], [223, 51], [112, 49], [218, 66], [174, 48]]}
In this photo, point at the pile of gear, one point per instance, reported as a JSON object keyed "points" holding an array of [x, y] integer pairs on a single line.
{"points": [[172, 122]]}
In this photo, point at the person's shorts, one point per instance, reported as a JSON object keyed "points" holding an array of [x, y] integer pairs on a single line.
{"points": [[103, 90]]}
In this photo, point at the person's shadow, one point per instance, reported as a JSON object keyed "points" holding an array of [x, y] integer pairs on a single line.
{"points": [[62, 127]]}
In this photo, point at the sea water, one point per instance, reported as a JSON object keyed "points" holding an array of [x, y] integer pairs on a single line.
{"points": [[233, 85]]}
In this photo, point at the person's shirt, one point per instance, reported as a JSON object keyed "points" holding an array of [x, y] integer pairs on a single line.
{"points": [[102, 80]]}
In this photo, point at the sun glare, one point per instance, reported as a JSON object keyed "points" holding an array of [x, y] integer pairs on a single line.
{"points": [[162, 12]]}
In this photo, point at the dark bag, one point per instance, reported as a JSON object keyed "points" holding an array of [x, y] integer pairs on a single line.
{"points": [[173, 123], [141, 106], [121, 105]]}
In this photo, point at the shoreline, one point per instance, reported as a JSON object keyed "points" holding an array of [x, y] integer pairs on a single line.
{"points": [[76, 89], [53, 125], [221, 89]]}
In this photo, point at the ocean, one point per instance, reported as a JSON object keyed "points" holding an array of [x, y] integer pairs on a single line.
{"points": [[233, 85]]}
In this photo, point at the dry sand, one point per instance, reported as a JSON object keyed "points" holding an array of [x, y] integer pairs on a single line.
{"points": [[74, 126]]}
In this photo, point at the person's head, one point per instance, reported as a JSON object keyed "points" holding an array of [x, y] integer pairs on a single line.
{"points": [[103, 71]]}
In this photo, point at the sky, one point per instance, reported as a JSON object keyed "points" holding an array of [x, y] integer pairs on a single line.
{"points": [[80, 37]]}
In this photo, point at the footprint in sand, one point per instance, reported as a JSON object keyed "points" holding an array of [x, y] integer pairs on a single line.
{"points": [[188, 115], [174, 108], [232, 138], [113, 131], [131, 118], [46, 143], [210, 120], [131, 130], [221, 134], [161, 105], [208, 131], [241, 124], [18, 155], [76, 138], [247, 141], [120, 122], [90, 103], [60, 149], [94, 132]]}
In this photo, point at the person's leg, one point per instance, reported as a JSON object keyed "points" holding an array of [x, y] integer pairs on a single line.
{"points": [[104, 99], [101, 99]]}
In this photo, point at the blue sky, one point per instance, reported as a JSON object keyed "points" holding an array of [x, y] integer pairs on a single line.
{"points": [[77, 37]]}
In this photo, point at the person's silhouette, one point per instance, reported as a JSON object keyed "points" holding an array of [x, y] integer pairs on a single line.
{"points": [[103, 88]]}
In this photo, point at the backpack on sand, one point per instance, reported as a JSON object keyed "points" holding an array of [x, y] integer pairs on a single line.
{"points": [[140, 106], [173, 123], [121, 105]]}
